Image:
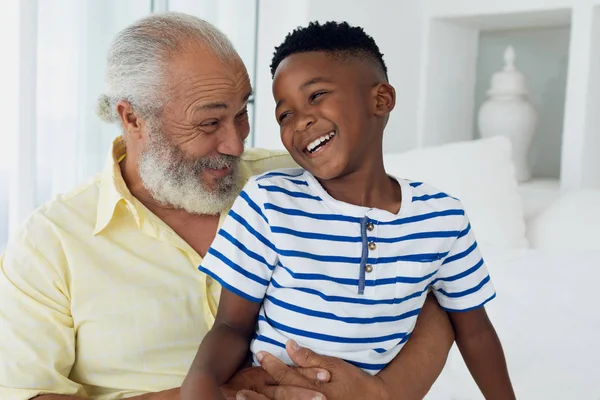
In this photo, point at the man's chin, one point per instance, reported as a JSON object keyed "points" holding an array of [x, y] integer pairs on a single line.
{"points": [[221, 181], [207, 204]]}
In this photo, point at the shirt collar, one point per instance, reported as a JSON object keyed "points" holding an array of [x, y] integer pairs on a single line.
{"points": [[113, 189]]}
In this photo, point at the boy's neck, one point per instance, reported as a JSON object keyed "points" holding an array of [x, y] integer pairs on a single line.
{"points": [[369, 186]]}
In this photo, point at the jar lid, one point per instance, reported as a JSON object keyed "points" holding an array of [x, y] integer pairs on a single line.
{"points": [[509, 81]]}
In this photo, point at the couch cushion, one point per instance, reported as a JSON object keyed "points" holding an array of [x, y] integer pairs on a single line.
{"points": [[481, 174]]}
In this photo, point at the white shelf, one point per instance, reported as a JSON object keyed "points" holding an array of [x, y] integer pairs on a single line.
{"points": [[447, 87]]}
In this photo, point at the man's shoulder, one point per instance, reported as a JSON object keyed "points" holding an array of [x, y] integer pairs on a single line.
{"points": [[40, 239], [82, 196], [257, 154], [258, 161], [81, 202]]}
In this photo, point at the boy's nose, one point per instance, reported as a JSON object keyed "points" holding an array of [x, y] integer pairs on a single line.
{"points": [[304, 123]]}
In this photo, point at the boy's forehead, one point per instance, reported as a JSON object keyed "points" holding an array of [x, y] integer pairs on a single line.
{"points": [[300, 68]]}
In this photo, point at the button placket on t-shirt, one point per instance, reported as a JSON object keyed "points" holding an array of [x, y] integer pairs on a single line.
{"points": [[369, 255]]}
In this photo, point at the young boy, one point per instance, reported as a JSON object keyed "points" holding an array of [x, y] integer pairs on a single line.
{"points": [[337, 255]]}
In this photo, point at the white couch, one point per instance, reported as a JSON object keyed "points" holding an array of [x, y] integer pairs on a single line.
{"points": [[545, 271]]}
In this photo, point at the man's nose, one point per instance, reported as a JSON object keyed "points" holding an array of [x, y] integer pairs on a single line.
{"points": [[231, 142]]}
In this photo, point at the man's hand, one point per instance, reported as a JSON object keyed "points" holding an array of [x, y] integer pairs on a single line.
{"points": [[171, 394], [347, 381], [256, 380]]}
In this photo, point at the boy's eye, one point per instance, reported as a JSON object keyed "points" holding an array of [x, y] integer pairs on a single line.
{"points": [[316, 95]]}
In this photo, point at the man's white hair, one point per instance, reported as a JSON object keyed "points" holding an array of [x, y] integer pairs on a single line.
{"points": [[138, 57]]}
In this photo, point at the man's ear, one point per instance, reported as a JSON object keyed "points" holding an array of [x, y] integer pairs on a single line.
{"points": [[385, 98], [132, 123]]}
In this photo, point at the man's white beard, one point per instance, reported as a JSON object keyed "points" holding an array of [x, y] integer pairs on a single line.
{"points": [[175, 180]]}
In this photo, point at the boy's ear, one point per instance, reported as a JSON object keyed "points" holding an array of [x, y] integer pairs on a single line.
{"points": [[385, 98]]}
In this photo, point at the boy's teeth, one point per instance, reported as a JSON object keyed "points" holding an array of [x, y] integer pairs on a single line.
{"points": [[311, 146]]}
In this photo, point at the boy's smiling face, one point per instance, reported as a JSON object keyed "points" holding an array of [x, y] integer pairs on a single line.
{"points": [[330, 111]]}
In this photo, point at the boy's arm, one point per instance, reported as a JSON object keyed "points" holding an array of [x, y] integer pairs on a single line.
{"points": [[412, 373], [241, 258], [224, 349], [462, 287], [481, 349]]}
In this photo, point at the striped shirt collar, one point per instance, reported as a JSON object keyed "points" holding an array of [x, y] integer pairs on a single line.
{"points": [[359, 211]]}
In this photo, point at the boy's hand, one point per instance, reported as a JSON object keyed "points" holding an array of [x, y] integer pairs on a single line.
{"points": [[481, 349]]}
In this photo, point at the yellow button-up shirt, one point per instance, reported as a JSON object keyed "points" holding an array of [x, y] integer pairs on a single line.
{"points": [[100, 298]]}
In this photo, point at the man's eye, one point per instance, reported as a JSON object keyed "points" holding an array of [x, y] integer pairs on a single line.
{"points": [[243, 113], [283, 116], [209, 123]]}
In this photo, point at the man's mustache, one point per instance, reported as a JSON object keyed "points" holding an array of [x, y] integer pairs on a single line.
{"points": [[218, 162]]}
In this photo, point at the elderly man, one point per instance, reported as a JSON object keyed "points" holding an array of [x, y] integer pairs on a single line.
{"points": [[100, 296]]}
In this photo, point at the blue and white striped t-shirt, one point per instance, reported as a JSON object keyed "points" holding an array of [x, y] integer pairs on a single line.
{"points": [[343, 280]]}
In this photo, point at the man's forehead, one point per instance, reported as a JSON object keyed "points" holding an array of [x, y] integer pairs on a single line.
{"points": [[209, 103], [221, 75], [205, 76]]}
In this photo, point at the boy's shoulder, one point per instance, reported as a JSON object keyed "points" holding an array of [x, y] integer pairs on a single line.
{"points": [[430, 197], [284, 178], [281, 176]]}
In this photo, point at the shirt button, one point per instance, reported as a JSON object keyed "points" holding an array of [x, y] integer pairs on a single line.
{"points": [[368, 268], [209, 281], [370, 226], [372, 246]]}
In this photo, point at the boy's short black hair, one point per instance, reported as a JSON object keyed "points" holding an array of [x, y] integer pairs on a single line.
{"points": [[337, 38]]}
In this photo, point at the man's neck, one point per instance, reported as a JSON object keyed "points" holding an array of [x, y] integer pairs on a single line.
{"points": [[131, 176], [197, 230]]}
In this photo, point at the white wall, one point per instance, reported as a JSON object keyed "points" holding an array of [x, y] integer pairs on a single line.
{"points": [[394, 24], [446, 100], [542, 56], [23, 173], [591, 165], [9, 82], [449, 8], [275, 20], [9, 106], [580, 76]]}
